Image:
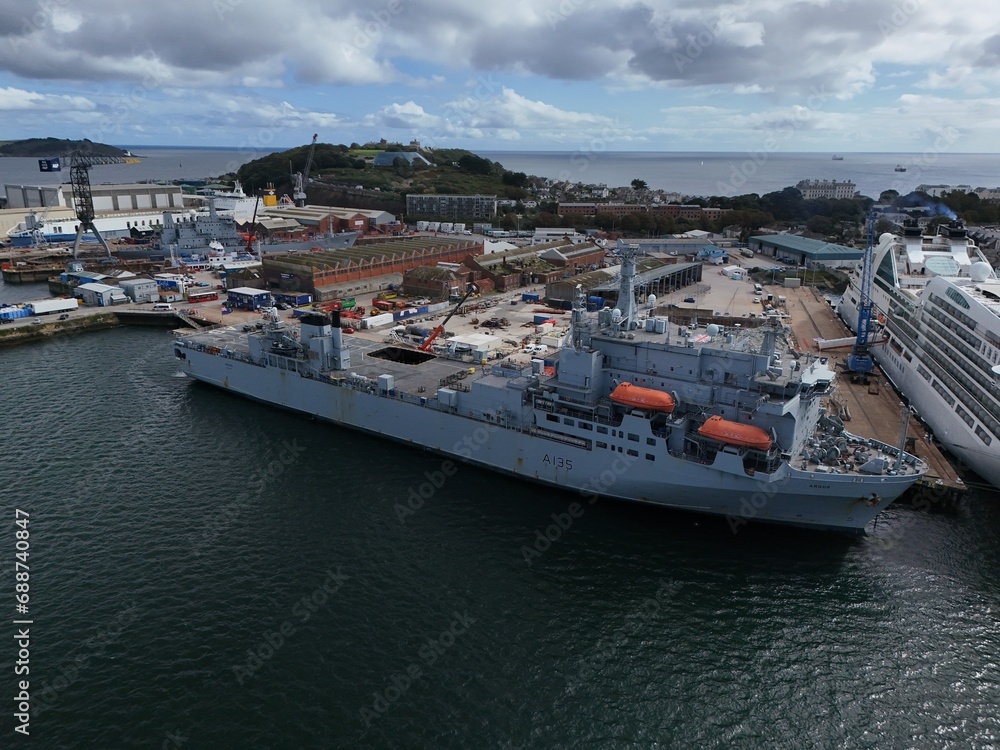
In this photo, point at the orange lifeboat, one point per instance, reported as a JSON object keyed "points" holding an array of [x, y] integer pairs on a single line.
{"points": [[735, 433], [627, 394]]}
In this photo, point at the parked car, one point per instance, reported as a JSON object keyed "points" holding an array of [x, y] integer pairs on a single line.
{"points": [[689, 299]]}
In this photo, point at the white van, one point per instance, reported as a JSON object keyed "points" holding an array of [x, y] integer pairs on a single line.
{"points": [[163, 307]]}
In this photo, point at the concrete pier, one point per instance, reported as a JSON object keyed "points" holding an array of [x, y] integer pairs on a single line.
{"points": [[875, 409]]}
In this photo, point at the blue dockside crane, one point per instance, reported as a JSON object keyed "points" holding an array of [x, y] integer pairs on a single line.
{"points": [[859, 361]]}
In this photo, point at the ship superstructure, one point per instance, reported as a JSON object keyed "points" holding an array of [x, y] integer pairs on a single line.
{"points": [[938, 305], [728, 423]]}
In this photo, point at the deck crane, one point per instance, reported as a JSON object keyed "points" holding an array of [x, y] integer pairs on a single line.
{"points": [[299, 179], [83, 197], [426, 345], [859, 362]]}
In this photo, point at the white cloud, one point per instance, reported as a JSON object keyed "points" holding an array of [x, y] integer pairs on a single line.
{"points": [[14, 100]]}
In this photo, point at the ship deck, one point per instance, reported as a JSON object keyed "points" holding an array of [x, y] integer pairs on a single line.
{"points": [[874, 410], [417, 379]]}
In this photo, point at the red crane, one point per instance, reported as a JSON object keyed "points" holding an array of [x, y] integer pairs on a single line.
{"points": [[426, 345]]}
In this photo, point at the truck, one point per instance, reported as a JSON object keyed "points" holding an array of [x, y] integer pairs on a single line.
{"points": [[46, 306]]}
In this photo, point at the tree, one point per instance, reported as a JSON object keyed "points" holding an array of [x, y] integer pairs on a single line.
{"points": [[638, 184], [475, 164]]}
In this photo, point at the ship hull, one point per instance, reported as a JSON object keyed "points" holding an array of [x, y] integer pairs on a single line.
{"points": [[943, 421], [809, 499]]}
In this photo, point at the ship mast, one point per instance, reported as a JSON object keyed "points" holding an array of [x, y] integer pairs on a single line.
{"points": [[626, 289]]}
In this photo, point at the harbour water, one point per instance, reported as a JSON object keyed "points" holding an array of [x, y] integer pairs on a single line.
{"points": [[212, 569], [689, 173]]}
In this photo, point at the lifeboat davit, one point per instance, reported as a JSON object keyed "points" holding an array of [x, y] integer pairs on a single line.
{"points": [[735, 433], [643, 398]]}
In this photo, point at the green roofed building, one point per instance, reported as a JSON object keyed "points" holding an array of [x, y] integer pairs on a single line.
{"points": [[802, 251]]}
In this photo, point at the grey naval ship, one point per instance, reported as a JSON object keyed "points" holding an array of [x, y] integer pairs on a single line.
{"points": [[726, 423]]}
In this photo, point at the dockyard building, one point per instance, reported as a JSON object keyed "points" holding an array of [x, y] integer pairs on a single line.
{"points": [[100, 295], [140, 290], [790, 248], [126, 197], [536, 264], [435, 282], [324, 274], [653, 276]]}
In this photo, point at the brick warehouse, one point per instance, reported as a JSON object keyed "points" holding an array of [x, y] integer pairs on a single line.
{"points": [[320, 273]]}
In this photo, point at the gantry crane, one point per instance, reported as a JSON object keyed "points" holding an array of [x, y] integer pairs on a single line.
{"points": [[83, 197], [859, 362], [300, 179]]}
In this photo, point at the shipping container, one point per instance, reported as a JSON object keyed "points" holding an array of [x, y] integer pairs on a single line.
{"points": [[45, 306], [295, 299], [526, 297]]}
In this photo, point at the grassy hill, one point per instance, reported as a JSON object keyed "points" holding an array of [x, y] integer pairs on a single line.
{"points": [[454, 171], [46, 147]]}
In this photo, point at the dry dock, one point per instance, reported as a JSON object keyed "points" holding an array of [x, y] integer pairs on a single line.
{"points": [[874, 410]]}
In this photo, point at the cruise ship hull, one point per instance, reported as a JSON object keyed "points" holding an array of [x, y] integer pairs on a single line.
{"points": [[939, 312], [811, 498], [943, 420]]}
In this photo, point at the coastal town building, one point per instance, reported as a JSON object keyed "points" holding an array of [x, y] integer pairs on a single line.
{"points": [[451, 206], [812, 189]]}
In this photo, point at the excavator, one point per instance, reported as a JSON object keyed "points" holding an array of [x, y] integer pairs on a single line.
{"points": [[426, 345]]}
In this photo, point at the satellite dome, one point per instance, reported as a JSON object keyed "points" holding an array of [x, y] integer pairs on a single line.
{"points": [[712, 329], [616, 314], [980, 271], [651, 299]]}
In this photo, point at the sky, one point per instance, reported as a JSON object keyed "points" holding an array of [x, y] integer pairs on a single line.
{"points": [[539, 75]]}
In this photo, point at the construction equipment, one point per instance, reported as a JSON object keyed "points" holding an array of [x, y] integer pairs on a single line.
{"points": [[299, 179], [83, 197], [252, 230], [426, 345], [859, 362]]}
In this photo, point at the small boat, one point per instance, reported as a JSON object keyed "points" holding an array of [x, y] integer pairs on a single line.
{"points": [[735, 433], [900, 168], [627, 394]]}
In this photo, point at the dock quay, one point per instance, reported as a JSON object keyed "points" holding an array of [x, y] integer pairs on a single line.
{"points": [[874, 409]]}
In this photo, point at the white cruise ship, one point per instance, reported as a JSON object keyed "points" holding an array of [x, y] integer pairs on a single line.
{"points": [[938, 305]]}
